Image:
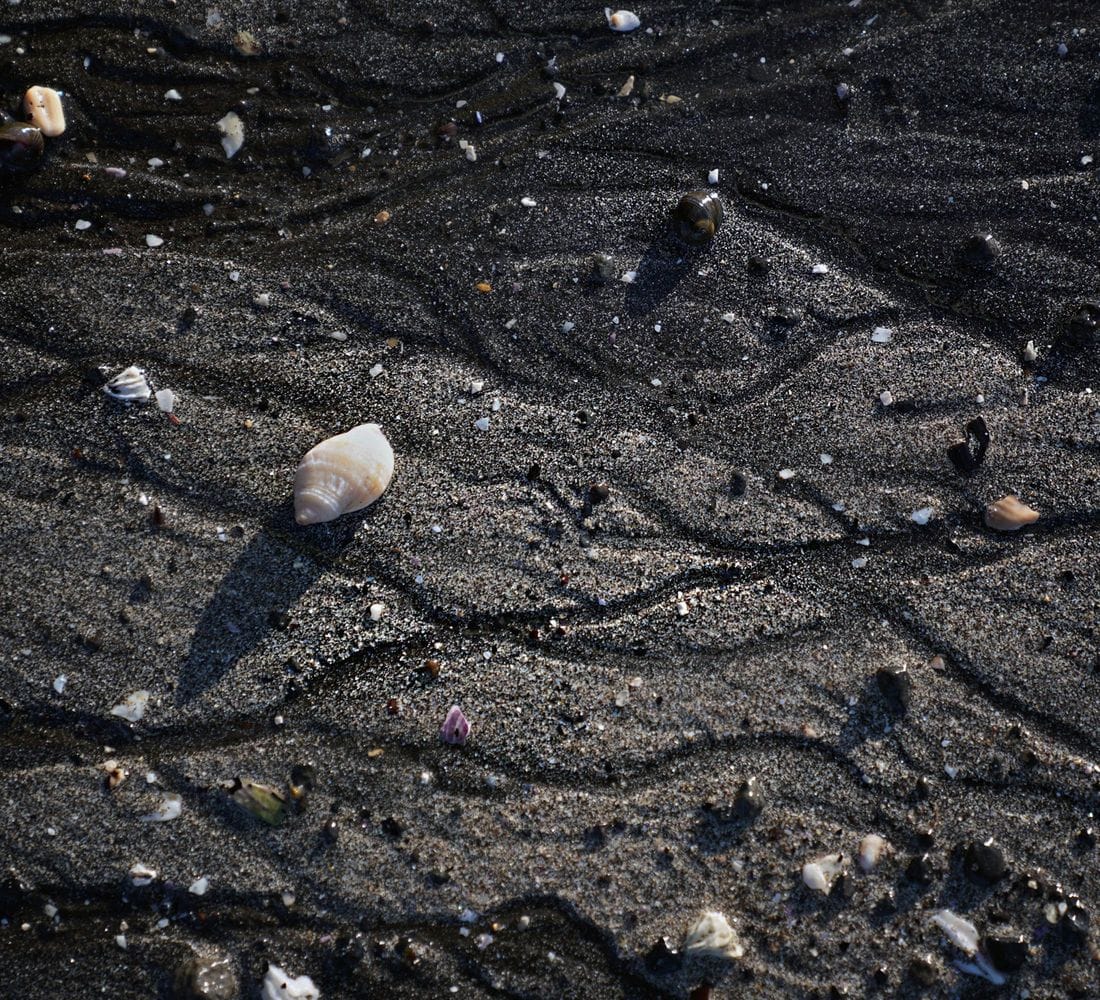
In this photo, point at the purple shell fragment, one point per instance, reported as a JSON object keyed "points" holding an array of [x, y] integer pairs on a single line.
{"points": [[456, 727]]}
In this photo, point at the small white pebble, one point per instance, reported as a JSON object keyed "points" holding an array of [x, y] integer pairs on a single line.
{"points": [[482, 423], [819, 269], [886, 398], [882, 335], [559, 91], [924, 515], [859, 562], [375, 371], [173, 95], [376, 612], [712, 177], [528, 202], [82, 224], [786, 474], [153, 241], [826, 458], [628, 277], [59, 683], [1031, 352]]}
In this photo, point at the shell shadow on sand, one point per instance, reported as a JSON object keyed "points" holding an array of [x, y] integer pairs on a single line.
{"points": [[253, 599]]}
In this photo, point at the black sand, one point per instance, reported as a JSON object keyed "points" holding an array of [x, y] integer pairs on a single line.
{"points": [[608, 824]]}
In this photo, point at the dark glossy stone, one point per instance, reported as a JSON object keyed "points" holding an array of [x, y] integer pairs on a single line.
{"points": [[787, 316], [598, 493], [750, 800], [1006, 949], [896, 684], [738, 484], [980, 251], [758, 266], [207, 978], [1083, 324], [985, 861]]}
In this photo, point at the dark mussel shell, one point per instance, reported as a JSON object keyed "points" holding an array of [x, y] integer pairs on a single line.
{"points": [[21, 146], [697, 217]]}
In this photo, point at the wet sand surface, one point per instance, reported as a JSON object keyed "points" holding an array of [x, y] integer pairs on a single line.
{"points": [[626, 661]]}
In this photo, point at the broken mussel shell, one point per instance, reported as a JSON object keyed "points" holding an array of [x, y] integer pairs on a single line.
{"points": [[21, 146], [263, 801], [697, 217], [1009, 514], [967, 455]]}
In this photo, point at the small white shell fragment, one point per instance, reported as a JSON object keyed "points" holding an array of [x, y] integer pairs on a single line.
{"points": [[886, 397], [81, 225], [962, 933], [712, 177], [825, 458], [169, 809], [712, 937], [629, 277], [232, 130], [173, 95], [280, 986], [871, 849], [471, 153], [923, 515], [819, 875], [559, 90], [728, 318], [981, 966], [819, 269], [622, 20], [786, 474], [376, 612], [528, 202], [375, 370], [142, 874], [627, 88], [342, 474], [199, 886], [132, 707], [476, 386], [882, 335], [166, 400], [129, 384], [262, 300], [43, 107], [59, 683], [153, 241], [482, 423], [1031, 352]]}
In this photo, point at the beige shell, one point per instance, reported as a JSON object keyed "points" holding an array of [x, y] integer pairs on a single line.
{"points": [[1008, 514], [43, 107], [342, 474]]}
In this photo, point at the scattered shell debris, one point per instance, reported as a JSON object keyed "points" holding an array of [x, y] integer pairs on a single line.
{"points": [[622, 20], [279, 985], [232, 130], [142, 874], [1009, 514], [132, 707], [456, 728], [820, 875], [43, 106], [169, 809], [712, 937]]}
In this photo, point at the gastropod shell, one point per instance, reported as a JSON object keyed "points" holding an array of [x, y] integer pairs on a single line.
{"points": [[342, 474], [697, 216]]}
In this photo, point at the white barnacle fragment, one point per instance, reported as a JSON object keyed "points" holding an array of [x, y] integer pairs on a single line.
{"points": [[129, 386], [166, 400], [871, 849], [169, 809], [1031, 352], [923, 515], [376, 612], [712, 937], [43, 107], [559, 90], [199, 886], [132, 707], [232, 130], [882, 335], [153, 241], [820, 875], [278, 985], [342, 474], [961, 933], [142, 874], [622, 20]]}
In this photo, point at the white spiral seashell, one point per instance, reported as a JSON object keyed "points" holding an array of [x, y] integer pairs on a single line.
{"points": [[342, 474]]}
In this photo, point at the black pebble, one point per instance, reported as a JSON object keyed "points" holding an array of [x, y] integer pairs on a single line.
{"points": [[598, 493], [738, 485], [896, 683], [980, 251], [330, 832], [758, 266], [923, 970], [534, 473], [787, 316], [985, 861], [1077, 917], [1086, 838], [750, 800], [663, 958], [920, 869], [1006, 949], [923, 788]]}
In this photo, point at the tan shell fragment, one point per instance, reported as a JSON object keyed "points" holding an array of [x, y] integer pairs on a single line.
{"points": [[43, 107], [1008, 514], [343, 474]]}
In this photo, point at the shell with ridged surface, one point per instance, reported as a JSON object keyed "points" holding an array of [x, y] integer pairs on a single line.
{"points": [[342, 474]]}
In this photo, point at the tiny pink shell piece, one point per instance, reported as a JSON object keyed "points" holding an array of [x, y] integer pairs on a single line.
{"points": [[456, 728]]}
